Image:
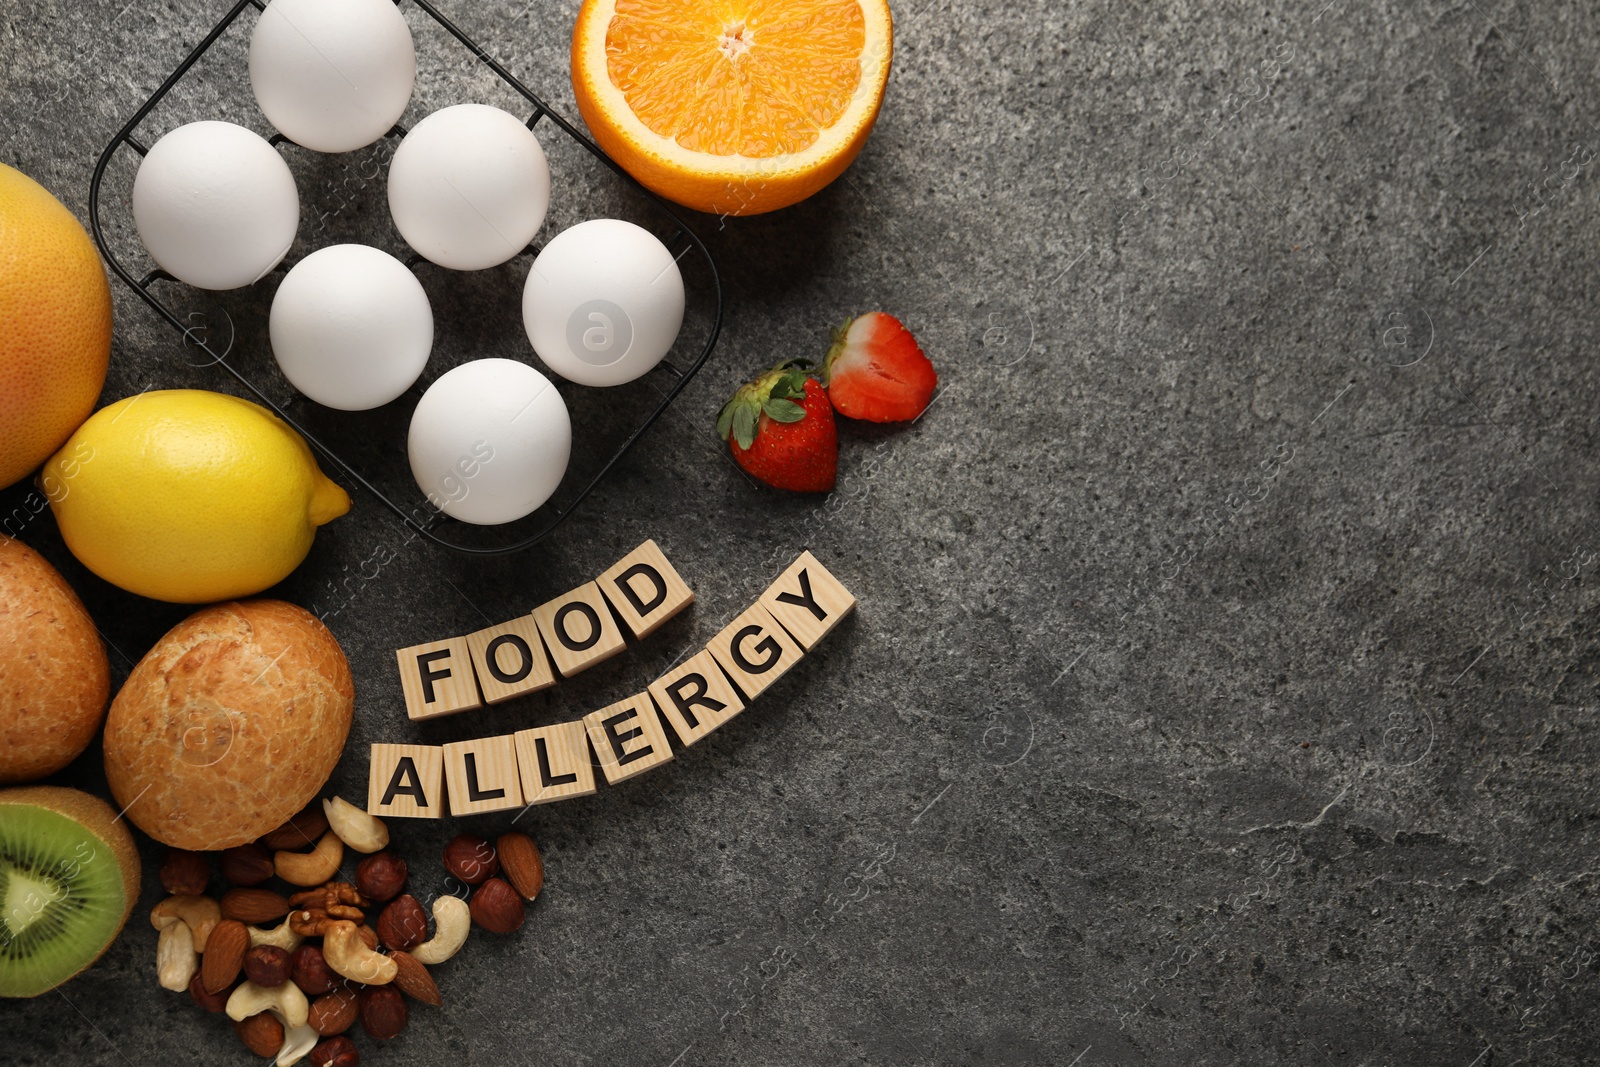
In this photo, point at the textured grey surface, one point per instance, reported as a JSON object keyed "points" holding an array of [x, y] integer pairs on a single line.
{"points": [[1223, 685]]}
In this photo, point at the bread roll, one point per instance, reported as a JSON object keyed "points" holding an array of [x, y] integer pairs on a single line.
{"points": [[229, 725], [54, 678]]}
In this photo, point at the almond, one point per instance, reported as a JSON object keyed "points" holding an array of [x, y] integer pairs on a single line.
{"points": [[521, 863], [333, 1013], [262, 1034], [299, 832], [254, 906], [224, 955], [414, 980]]}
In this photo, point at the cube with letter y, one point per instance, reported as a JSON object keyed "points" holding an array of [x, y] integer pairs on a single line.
{"points": [[807, 600], [406, 781]]}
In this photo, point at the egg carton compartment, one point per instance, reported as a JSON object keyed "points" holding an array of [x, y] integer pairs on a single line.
{"points": [[477, 314]]}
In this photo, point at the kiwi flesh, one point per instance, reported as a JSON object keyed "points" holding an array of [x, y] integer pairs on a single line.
{"points": [[69, 875]]}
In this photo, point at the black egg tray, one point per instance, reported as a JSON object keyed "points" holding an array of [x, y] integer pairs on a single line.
{"points": [[436, 528]]}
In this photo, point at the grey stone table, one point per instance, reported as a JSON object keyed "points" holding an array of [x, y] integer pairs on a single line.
{"points": [[1223, 684]]}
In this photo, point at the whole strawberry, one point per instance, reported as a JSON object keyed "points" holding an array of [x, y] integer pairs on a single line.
{"points": [[876, 370], [780, 429]]}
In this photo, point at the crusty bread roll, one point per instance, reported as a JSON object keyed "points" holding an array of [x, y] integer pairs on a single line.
{"points": [[229, 725], [54, 678]]}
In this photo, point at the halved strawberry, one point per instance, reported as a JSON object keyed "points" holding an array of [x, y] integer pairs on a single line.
{"points": [[780, 428], [877, 371]]}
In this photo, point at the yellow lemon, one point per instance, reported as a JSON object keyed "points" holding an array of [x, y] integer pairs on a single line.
{"points": [[189, 496]]}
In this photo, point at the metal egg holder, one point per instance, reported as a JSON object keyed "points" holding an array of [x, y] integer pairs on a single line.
{"points": [[436, 525]]}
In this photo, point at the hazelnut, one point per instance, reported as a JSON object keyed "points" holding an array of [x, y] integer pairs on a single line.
{"points": [[212, 1002], [335, 1052], [381, 876], [383, 1011], [268, 966], [261, 1034], [470, 859], [185, 873], [311, 972], [496, 907], [246, 865], [333, 1013], [403, 925]]}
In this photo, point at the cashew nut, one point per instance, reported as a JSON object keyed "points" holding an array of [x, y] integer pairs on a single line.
{"points": [[349, 955], [452, 920], [251, 999], [199, 914], [314, 867], [362, 832], [297, 1041], [176, 959], [282, 936]]}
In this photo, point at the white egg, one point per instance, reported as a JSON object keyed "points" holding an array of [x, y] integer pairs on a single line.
{"points": [[489, 441], [469, 186], [603, 302], [332, 75], [215, 205], [351, 327]]}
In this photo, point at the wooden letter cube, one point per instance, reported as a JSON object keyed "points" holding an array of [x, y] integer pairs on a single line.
{"points": [[628, 737], [645, 589], [554, 762], [807, 601], [483, 775], [755, 650], [437, 678], [696, 697], [510, 660], [406, 781], [578, 629]]}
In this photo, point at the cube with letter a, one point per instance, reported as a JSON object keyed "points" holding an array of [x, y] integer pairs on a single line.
{"points": [[406, 781]]}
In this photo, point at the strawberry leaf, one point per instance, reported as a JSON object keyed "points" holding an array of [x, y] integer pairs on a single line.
{"points": [[784, 410], [725, 422], [744, 425]]}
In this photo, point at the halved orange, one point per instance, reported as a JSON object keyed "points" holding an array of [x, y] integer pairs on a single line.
{"points": [[732, 106]]}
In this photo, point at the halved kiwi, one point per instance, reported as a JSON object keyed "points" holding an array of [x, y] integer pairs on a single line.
{"points": [[69, 874]]}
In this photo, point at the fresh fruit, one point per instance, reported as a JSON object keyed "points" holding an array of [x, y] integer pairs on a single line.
{"points": [[69, 874], [734, 106], [54, 678], [876, 370], [55, 324], [190, 496], [231, 722], [780, 429]]}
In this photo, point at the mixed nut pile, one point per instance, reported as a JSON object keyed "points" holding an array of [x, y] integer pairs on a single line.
{"points": [[298, 997]]}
